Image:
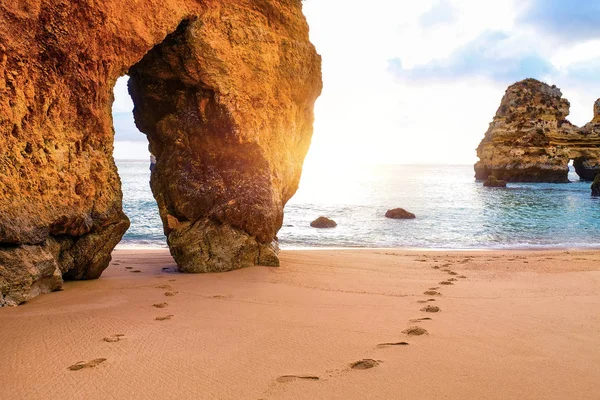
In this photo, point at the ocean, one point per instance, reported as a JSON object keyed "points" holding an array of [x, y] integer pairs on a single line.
{"points": [[453, 211]]}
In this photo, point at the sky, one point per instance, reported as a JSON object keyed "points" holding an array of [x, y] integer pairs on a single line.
{"points": [[418, 82]]}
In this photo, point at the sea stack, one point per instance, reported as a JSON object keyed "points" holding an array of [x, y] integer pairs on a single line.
{"points": [[530, 139], [323, 223], [224, 91], [399, 213]]}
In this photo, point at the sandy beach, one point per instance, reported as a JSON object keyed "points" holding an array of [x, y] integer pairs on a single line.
{"points": [[510, 325]]}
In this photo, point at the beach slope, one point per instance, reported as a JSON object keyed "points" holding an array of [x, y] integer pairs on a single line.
{"points": [[508, 325]]}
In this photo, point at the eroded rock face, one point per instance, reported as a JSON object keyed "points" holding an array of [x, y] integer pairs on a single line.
{"points": [[224, 91], [491, 181], [596, 186], [530, 139]]}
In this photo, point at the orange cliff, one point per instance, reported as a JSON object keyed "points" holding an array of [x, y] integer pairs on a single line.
{"points": [[224, 91]]}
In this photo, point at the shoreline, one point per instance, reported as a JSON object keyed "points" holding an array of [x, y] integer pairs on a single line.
{"points": [[144, 330], [120, 247]]}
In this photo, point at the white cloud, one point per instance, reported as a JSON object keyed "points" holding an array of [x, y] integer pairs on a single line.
{"points": [[365, 115]]}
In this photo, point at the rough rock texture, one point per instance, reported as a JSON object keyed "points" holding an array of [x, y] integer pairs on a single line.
{"points": [[323, 222], [530, 139], [399, 213], [492, 181], [596, 186], [223, 89]]}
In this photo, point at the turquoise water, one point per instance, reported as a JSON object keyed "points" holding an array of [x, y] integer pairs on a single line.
{"points": [[453, 211]]}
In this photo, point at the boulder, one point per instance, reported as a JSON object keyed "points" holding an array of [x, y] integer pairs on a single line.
{"points": [[323, 222], [492, 181], [399, 213]]}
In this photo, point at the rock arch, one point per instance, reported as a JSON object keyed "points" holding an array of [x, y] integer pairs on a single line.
{"points": [[530, 139], [224, 91]]}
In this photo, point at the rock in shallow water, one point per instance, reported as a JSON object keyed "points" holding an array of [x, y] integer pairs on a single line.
{"points": [[324, 223], [596, 186], [493, 182], [399, 213]]}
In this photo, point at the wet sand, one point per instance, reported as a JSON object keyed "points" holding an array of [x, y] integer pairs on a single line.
{"points": [[333, 324]]}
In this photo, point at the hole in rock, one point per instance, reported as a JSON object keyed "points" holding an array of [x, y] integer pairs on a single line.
{"points": [[132, 157]]}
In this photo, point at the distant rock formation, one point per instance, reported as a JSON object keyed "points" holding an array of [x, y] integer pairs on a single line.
{"points": [[224, 90], [491, 181], [323, 222], [596, 186], [530, 139], [399, 213]]}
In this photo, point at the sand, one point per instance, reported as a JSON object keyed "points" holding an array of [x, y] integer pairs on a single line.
{"points": [[325, 325]]}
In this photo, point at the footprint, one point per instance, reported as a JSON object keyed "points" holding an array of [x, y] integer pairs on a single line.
{"points": [[445, 270], [160, 305], [289, 378], [172, 280], [430, 299], [165, 318], [367, 363], [452, 280], [452, 273], [435, 267], [168, 287], [135, 271], [422, 301], [116, 264], [392, 344], [128, 267], [170, 294], [419, 319], [431, 309], [89, 364], [446, 283], [415, 331], [432, 293], [433, 288], [114, 338], [462, 277]]}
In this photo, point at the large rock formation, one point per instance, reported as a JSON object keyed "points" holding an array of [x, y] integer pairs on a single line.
{"points": [[224, 91], [530, 139]]}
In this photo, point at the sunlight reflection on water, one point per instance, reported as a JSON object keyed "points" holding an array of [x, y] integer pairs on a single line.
{"points": [[453, 211]]}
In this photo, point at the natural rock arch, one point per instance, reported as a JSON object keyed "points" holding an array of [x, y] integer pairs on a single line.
{"points": [[530, 139], [224, 91]]}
